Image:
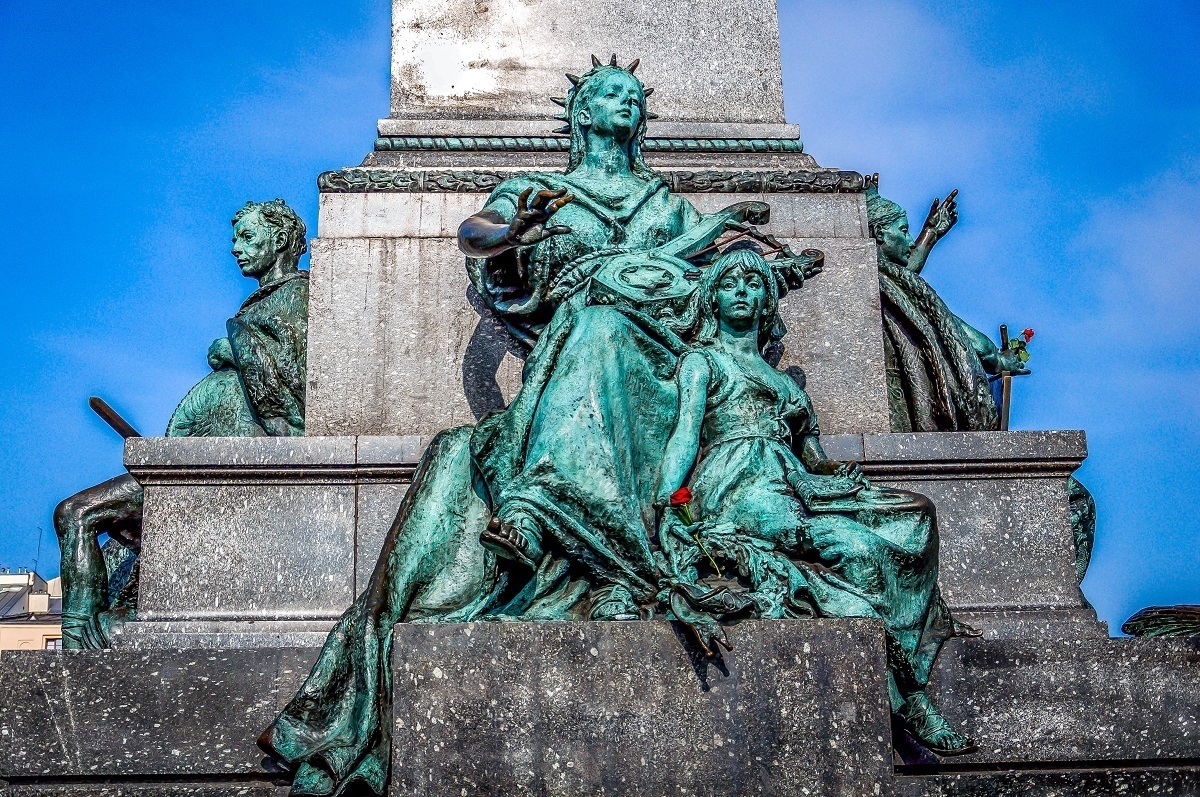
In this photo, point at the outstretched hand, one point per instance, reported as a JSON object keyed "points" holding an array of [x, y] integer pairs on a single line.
{"points": [[530, 225], [849, 470], [943, 215]]}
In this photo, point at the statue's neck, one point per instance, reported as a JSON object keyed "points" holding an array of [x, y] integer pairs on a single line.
{"points": [[278, 271], [606, 157], [740, 342]]}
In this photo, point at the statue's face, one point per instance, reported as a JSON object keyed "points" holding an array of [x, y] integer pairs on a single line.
{"points": [[896, 242], [615, 109], [741, 297], [255, 244]]}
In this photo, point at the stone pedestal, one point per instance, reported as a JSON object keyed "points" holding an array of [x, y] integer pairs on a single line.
{"points": [[259, 541], [626, 708], [400, 344], [472, 68], [266, 541], [621, 708], [1007, 551]]}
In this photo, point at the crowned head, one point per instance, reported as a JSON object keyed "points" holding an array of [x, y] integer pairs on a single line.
{"points": [[609, 101]]}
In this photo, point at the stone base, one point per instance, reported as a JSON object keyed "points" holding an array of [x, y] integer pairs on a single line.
{"points": [[626, 708], [623, 709], [221, 635], [224, 566]]}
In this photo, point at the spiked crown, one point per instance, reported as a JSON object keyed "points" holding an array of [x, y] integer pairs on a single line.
{"points": [[578, 89], [577, 81]]}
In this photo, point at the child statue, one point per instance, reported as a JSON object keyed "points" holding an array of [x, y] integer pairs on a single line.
{"points": [[801, 534]]}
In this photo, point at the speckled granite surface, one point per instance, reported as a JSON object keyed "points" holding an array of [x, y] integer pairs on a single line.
{"points": [[621, 708]]}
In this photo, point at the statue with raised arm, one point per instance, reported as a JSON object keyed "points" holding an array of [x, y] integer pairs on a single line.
{"points": [[937, 364], [256, 388], [544, 511]]}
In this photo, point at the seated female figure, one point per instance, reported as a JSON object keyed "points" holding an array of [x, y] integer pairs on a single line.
{"points": [[804, 534]]}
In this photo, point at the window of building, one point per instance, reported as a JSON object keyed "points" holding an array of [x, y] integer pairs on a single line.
{"points": [[53, 643]]}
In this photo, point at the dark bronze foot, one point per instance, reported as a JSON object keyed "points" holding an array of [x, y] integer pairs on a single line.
{"points": [[510, 541], [931, 729]]}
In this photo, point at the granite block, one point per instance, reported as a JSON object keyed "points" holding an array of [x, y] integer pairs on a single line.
{"points": [[836, 337], [247, 551], [221, 634], [260, 542], [1181, 781], [623, 708], [460, 59], [377, 506], [1007, 553], [145, 456], [1006, 543], [801, 215], [395, 346], [381, 454], [114, 714], [1063, 450], [1073, 702]]}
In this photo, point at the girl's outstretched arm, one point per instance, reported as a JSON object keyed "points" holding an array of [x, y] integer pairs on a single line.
{"points": [[684, 443]]}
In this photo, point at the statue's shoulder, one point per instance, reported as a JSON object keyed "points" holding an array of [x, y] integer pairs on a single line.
{"points": [[289, 296]]}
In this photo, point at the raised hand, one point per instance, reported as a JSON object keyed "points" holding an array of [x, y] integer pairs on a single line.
{"points": [[529, 226], [942, 216]]}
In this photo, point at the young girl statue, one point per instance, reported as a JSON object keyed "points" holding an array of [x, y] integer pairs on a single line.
{"points": [[800, 534]]}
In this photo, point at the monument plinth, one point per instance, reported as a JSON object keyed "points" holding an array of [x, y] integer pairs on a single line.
{"points": [[478, 648]]}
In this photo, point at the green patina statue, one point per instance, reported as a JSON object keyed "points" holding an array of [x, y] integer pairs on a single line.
{"points": [[553, 508], [256, 388], [807, 535], [937, 364]]}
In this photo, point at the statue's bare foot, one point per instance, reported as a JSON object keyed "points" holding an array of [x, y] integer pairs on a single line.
{"points": [[926, 723], [510, 541]]}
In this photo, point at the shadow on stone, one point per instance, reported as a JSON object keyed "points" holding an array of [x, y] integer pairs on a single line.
{"points": [[485, 351], [700, 663]]}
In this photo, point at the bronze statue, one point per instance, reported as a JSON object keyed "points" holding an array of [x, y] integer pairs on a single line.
{"points": [[256, 388], [937, 364], [549, 510]]}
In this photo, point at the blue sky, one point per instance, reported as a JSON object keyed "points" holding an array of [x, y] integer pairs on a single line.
{"points": [[131, 132]]}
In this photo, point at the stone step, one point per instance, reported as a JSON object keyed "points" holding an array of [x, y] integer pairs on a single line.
{"points": [[1134, 780], [622, 708]]}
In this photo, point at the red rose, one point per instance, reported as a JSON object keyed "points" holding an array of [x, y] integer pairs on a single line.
{"points": [[681, 496], [1028, 335]]}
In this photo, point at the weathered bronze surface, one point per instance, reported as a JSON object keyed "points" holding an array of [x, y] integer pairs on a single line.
{"points": [[1183, 620], [556, 508], [256, 388]]}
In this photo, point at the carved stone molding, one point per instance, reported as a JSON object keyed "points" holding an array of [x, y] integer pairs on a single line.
{"points": [[358, 180], [563, 144]]}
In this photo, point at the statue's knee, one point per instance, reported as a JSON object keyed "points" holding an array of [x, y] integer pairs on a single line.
{"points": [[69, 516]]}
